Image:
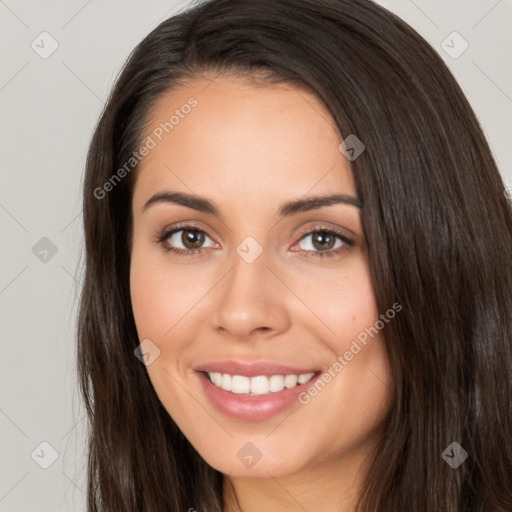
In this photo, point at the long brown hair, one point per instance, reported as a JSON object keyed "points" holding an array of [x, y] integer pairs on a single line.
{"points": [[438, 227]]}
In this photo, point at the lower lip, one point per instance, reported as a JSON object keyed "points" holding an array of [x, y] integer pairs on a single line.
{"points": [[252, 408]]}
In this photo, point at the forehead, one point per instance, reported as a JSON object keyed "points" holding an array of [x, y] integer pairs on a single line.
{"points": [[230, 135]]}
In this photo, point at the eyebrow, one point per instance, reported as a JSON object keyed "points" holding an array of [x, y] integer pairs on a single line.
{"points": [[287, 209]]}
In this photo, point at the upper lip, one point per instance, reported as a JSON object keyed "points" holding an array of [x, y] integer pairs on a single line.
{"points": [[252, 369]]}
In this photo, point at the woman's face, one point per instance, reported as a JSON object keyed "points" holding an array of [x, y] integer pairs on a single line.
{"points": [[264, 297]]}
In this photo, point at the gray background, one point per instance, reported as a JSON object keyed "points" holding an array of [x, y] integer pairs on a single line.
{"points": [[48, 108]]}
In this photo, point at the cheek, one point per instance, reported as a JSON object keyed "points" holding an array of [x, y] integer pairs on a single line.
{"points": [[166, 304], [158, 294], [346, 303], [348, 308], [148, 302]]}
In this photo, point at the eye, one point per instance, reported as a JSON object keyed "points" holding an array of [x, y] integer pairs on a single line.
{"points": [[190, 238], [323, 242]]}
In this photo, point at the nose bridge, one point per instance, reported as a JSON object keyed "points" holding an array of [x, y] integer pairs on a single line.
{"points": [[250, 298]]}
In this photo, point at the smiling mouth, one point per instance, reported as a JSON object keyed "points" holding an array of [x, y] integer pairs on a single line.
{"points": [[258, 385]]}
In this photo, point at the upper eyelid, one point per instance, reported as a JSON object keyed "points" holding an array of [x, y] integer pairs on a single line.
{"points": [[324, 227]]}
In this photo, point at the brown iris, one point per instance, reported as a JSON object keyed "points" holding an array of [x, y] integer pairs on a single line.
{"points": [[192, 238], [323, 240]]}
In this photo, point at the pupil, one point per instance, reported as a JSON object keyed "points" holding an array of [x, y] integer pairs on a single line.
{"points": [[192, 239], [325, 240]]}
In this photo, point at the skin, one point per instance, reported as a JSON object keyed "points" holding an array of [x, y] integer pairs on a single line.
{"points": [[249, 148]]}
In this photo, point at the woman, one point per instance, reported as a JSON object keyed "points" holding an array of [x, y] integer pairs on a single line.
{"points": [[298, 275]]}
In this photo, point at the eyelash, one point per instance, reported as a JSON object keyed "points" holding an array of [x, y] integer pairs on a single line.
{"points": [[161, 239]]}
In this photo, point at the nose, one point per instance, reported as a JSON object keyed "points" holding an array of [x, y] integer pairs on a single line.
{"points": [[250, 301]]}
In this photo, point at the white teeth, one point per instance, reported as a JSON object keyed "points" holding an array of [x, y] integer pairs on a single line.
{"points": [[290, 381], [260, 385], [240, 384], [304, 377], [276, 383], [226, 382], [217, 379]]}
